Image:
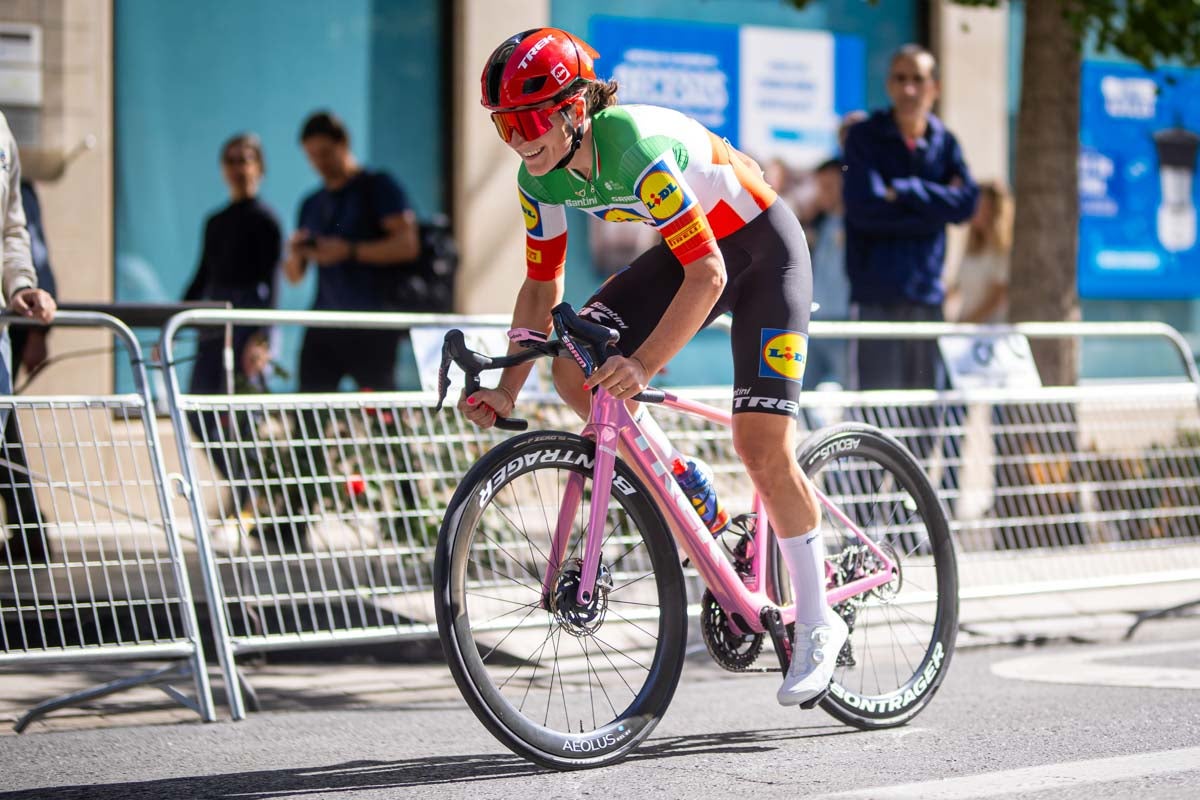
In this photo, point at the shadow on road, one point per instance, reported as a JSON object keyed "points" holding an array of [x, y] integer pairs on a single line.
{"points": [[375, 775]]}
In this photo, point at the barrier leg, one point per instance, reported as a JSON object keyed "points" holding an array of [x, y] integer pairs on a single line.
{"points": [[77, 698], [1160, 613]]}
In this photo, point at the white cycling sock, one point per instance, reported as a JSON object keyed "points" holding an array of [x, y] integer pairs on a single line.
{"points": [[805, 559], [657, 438]]}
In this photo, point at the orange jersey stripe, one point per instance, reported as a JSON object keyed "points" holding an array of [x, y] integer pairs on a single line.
{"points": [[724, 220], [545, 258], [753, 182], [689, 236]]}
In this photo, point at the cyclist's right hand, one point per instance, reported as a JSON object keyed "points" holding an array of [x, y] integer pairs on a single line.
{"points": [[483, 406]]}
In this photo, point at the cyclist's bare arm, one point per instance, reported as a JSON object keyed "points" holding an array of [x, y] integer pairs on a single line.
{"points": [[531, 310]]}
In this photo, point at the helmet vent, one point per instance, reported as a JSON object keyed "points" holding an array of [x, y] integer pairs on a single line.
{"points": [[533, 84], [495, 69]]}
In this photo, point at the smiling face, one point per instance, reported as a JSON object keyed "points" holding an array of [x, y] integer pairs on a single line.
{"points": [[543, 153]]}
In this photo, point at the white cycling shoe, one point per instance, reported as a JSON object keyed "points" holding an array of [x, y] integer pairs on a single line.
{"points": [[814, 656]]}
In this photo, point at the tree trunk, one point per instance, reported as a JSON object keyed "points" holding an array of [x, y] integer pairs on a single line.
{"points": [[1043, 283]]}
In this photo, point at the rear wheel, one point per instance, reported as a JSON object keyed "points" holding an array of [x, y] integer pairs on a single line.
{"points": [[901, 633], [564, 684]]}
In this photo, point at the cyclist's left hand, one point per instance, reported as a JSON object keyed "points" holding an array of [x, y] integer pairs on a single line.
{"points": [[622, 377]]}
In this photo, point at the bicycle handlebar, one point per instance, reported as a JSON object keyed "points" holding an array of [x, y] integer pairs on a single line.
{"points": [[588, 343]]}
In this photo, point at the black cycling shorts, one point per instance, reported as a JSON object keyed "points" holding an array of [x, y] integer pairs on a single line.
{"points": [[769, 292]]}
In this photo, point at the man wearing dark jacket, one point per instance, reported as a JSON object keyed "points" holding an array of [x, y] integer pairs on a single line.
{"points": [[905, 180]]}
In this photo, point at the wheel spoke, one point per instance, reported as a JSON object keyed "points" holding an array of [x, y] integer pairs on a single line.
{"points": [[892, 640], [510, 541]]}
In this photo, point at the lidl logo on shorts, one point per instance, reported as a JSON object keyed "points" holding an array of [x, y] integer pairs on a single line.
{"points": [[783, 355], [623, 215], [661, 194], [533, 220]]}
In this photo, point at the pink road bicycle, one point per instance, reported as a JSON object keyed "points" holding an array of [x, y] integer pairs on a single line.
{"points": [[560, 593]]}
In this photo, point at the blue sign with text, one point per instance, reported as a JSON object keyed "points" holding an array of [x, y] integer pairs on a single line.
{"points": [[1139, 140], [773, 92]]}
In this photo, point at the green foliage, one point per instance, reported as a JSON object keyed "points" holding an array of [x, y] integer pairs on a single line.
{"points": [[1147, 31]]}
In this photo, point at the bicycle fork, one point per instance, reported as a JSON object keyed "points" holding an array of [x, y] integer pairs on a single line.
{"points": [[606, 437]]}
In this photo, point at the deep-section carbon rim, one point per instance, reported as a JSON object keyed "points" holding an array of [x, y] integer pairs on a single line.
{"points": [[563, 683], [902, 633]]}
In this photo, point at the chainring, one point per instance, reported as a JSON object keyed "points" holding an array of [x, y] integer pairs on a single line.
{"points": [[732, 651]]}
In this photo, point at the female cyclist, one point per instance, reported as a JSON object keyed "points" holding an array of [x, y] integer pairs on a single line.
{"points": [[728, 246]]}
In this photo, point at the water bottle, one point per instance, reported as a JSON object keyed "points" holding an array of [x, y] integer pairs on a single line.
{"points": [[695, 479]]}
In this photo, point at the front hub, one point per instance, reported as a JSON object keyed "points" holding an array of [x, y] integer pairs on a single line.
{"points": [[579, 619]]}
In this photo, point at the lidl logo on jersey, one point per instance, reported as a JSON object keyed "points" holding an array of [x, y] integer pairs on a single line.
{"points": [[784, 354], [660, 192], [623, 215], [533, 220]]}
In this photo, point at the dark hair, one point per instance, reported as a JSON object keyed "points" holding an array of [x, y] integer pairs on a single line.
{"points": [[915, 51], [600, 95], [324, 123], [832, 163], [245, 139]]}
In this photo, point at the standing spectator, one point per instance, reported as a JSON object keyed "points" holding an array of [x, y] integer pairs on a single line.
{"points": [[358, 227], [238, 262], [18, 282], [21, 512], [241, 251], [978, 291], [828, 360], [905, 180]]}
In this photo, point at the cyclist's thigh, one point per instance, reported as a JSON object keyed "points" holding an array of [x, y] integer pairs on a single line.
{"points": [[635, 298], [771, 310]]}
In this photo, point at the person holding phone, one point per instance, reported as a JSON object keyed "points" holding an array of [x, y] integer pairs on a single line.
{"points": [[358, 224]]}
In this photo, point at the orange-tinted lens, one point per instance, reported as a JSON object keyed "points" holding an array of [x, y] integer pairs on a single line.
{"points": [[530, 123]]}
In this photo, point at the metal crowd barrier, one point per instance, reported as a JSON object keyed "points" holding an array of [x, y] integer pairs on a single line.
{"points": [[92, 569], [315, 515]]}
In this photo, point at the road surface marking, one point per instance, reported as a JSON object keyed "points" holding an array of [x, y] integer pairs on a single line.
{"points": [[1035, 779], [1081, 667]]}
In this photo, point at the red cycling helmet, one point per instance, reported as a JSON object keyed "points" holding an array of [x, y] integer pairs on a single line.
{"points": [[534, 67]]}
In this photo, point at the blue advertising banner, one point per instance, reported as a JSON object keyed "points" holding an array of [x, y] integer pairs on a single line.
{"points": [[690, 67], [773, 92], [1139, 137]]}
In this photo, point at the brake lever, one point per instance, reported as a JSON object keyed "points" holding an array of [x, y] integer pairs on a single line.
{"points": [[454, 349]]}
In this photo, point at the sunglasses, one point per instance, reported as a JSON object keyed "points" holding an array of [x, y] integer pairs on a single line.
{"points": [[529, 122]]}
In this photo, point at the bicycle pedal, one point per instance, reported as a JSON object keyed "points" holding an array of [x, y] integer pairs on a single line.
{"points": [[811, 703]]}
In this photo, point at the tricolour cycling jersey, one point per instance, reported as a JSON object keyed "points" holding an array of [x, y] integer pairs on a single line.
{"points": [[650, 165]]}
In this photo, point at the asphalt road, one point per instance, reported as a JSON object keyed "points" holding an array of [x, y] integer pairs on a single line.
{"points": [[1005, 724]]}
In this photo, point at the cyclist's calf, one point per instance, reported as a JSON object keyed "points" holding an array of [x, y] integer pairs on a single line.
{"points": [[766, 445]]}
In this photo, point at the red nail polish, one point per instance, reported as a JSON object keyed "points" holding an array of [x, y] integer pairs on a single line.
{"points": [[470, 401]]}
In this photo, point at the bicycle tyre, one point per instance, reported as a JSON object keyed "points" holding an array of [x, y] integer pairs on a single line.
{"points": [[842, 460], [473, 532]]}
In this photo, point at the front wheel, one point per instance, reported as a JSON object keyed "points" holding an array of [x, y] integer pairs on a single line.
{"points": [[564, 684], [901, 633]]}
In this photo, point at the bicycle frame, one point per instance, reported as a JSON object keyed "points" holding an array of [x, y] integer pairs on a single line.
{"points": [[611, 423]]}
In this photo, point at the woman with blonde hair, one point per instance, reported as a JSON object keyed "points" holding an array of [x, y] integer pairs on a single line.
{"points": [[979, 291]]}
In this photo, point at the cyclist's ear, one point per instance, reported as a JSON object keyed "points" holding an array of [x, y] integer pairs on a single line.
{"points": [[579, 110]]}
